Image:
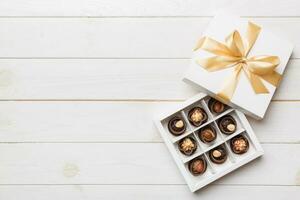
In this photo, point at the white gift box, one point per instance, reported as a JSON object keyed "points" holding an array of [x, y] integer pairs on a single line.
{"points": [[213, 171], [244, 97]]}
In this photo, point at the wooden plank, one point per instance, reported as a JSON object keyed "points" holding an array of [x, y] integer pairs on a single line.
{"points": [[279, 116], [138, 192], [110, 79], [146, 8], [130, 163], [93, 79], [116, 37], [118, 122]]}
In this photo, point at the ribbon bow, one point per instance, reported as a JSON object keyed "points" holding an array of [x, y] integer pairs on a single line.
{"points": [[234, 53]]}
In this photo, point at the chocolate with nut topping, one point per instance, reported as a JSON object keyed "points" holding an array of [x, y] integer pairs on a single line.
{"points": [[207, 134], [187, 146], [227, 124], [197, 166], [216, 106], [197, 116], [177, 126], [218, 155], [239, 144]]}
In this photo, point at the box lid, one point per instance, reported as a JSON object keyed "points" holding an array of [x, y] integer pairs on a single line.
{"points": [[244, 97]]}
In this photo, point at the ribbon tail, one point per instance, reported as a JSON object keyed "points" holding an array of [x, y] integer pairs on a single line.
{"points": [[256, 83], [230, 85], [273, 78], [212, 46]]}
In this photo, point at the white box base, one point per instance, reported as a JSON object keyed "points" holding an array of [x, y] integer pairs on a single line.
{"points": [[213, 171]]}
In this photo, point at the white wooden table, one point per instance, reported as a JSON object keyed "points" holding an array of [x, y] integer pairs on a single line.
{"points": [[81, 79]]}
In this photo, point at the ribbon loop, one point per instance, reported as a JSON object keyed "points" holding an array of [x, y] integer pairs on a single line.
{"points": [[235, 43], [213, 46], [234, 54]]}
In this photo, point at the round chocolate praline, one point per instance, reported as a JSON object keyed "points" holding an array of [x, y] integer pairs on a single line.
{"points": [[207, 134], [197, 166], [239, 144], [187, 146], [197, 116], [218, 155], [177, 126], [227, 124], [216, 106]]}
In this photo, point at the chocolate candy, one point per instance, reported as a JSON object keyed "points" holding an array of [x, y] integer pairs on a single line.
{"points": [[187, 146], [218, 155], [227, 124], [239, 144], [216, 106], [197, 166], [177, 126], [207, 134], [197, 116]]}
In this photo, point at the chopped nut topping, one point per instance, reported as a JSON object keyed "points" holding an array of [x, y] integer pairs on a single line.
{"points": [[231, 127], [179, 124], [197, 116], [240, 145], [187, 145], [216, 153]]}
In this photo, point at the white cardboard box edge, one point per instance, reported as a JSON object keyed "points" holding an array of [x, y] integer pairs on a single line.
{"points": [[194, 187]]}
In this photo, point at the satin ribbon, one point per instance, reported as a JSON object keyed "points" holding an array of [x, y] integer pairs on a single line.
{"points": [[234, 53]]}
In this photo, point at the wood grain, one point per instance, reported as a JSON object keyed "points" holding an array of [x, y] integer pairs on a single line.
{"points": [[146, 8], [137, 192], [101, 58], [93, 121], [130, 163], [116, 37], [116, 79]]}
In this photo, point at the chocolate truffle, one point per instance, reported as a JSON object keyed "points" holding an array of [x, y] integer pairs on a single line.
{"points": [[239, 144], [207, 134], [177, 126], [187, 146], [197, 116], [218, 155], [216, 106], [197, 166], [227, 124]]}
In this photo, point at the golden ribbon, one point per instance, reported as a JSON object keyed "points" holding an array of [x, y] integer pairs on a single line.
{"points": [[234, 53]]}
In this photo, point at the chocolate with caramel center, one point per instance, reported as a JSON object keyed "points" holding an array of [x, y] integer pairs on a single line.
{"points": [[207, 134], [197, 166], [216, 106]]}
